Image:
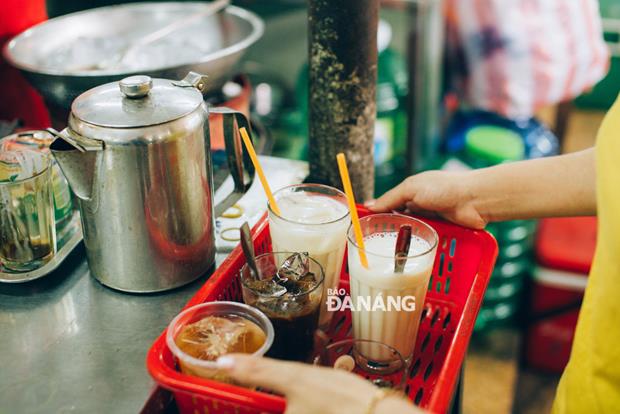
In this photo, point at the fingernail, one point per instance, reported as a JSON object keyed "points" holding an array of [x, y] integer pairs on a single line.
{"points": [[370, 203], [225, 362]]}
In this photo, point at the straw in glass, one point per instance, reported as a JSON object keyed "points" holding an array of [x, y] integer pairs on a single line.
{"points": [[259, 170], [348, 190]]}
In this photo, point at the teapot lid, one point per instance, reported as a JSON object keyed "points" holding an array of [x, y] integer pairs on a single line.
{"points": [[139, 101]]}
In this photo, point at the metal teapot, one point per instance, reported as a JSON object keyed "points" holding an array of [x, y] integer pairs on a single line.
{"points": [[136, 154]]}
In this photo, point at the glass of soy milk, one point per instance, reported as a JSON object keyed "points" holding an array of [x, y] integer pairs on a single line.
{"points": [[313, 218], [386, 302]]}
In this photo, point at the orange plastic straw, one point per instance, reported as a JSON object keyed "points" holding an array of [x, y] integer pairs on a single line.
{"points": [[259, 170], [348, 190]]}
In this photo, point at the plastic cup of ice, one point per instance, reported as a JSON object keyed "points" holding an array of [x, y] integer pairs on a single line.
{"points": [[199, 335]]}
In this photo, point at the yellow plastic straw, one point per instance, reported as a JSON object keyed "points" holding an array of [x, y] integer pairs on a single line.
{"points": [[259, 170], [348, 190]]}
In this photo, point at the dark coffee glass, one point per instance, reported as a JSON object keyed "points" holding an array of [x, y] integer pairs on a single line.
{"points": [[292, 307]]}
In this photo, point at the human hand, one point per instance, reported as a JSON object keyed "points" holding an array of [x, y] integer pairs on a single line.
{"points": [[311, 389], [434, 193]]}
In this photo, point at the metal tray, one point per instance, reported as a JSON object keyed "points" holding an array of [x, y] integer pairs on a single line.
{"points": [[67, 239]]}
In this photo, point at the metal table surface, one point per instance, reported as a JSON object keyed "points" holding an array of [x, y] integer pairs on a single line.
{"points": [[70, 344]]}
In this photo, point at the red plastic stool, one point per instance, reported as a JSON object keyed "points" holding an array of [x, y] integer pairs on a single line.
{"points": [[564, 249]]}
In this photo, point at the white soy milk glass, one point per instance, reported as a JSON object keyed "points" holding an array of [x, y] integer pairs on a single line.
{"points": [[387, 305], [313, 218]]}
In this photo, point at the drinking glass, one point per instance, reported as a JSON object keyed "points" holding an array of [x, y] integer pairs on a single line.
{"points": [[387, 303], [353, 355], [27, 228], [40, 141], [313, 218], [294, 314]]}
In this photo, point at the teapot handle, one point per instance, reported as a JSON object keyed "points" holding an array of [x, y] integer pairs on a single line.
{"points": [[239, 162]]}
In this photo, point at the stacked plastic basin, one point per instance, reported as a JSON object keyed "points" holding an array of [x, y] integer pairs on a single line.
{"points": [[564, 252]]}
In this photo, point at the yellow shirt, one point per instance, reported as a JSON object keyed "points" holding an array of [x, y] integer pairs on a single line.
{"points": [[591, 381]]}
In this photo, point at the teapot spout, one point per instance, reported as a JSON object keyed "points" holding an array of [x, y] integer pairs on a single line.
{"points": [[77, 157]]}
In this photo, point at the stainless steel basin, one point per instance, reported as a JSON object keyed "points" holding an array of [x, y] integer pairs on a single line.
{"points": [[226, 36]]}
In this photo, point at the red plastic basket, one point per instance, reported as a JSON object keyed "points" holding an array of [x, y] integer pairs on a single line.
{"points": [[465, 260]]}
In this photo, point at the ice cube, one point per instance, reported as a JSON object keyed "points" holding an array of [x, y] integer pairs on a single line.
{"points": [[293, 287], [267, 287], [308, 278], [84, 53], [295, 266], [211, 337]]}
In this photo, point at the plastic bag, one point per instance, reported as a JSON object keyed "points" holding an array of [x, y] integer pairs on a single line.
{"points": [[513, 57]]}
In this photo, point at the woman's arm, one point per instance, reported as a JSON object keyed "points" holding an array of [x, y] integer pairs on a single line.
{"points": [[554, 186], [310, 389]]}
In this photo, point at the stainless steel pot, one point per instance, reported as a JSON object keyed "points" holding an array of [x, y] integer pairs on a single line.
{"points": [[136, 155]]}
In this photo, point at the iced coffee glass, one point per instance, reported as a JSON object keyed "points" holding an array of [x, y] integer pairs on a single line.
{"points": [[387, 304], [27, 228], [199, 335], [314, 218], [292, 305]]}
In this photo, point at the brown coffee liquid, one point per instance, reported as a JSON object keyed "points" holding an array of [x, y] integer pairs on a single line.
{"points": [[294, 335], [214, 336]]}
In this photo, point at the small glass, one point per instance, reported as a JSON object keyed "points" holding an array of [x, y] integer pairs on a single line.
{"points": [[232, 311], [294, 316], [27, 228], [387, 305], [314, 218], [40, 141], [358, 356]]}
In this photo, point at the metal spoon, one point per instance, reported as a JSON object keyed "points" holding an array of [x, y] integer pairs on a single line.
{"points": [[402, 248], [250, 258], [248, 248]]}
